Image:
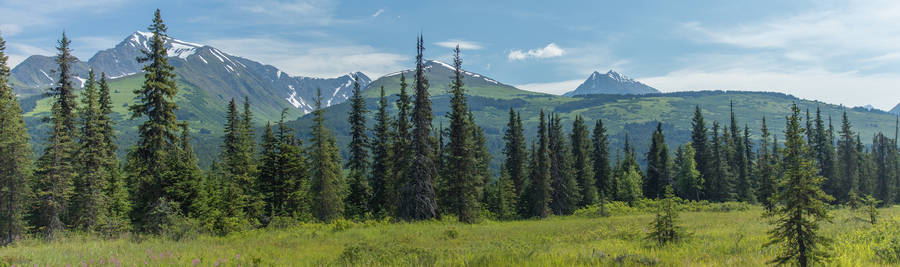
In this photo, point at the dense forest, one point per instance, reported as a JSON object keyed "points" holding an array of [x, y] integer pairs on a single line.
{"points": [[402, 168]]}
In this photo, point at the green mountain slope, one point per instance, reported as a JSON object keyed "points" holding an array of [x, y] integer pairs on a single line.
{"points": [[634, 115]]}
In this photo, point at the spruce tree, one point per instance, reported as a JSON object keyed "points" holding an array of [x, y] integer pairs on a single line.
{"points": [[381, 159], [251, 169], [740, 163], [800, 203], [658, 173], [118, 205], [461, 162], [603, 178], [15, 158], [89, 201], [514, 149], [765, 170], [565, 194], [629, 177], [823, 148], [419, 201], [483, 159], [688, 181], [703, 156], [235, 168], [402, 153], [184, 173], [158, 134], [292, 192], [267, 182], [884, 157], [847, 166], [538, 192], [664, 228], [720, 184], [358, 163], [582, 163], [55, 168], [327, 178]]}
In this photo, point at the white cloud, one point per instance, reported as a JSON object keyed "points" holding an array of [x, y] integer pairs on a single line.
{"points": [[305, 59], [463, 45], [848, 88], [556, 88], [837, 52], [377, 13], [551, 50]]}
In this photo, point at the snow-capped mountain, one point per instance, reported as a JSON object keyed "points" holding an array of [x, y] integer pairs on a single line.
{"points": [[611, 83], [216, 73]]}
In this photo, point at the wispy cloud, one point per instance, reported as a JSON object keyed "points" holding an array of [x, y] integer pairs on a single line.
{"points": [[463, 45], [310, 59], [549, 51], [378, 13]]}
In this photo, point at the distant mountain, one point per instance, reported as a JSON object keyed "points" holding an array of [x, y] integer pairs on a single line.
{"points": [[214, 72], [611, 83]]}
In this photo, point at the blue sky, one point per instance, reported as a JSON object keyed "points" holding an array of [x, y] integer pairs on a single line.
{"points": [[843, 52]]}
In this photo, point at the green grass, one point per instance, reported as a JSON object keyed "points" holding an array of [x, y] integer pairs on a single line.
{"points": [[717, 239]]}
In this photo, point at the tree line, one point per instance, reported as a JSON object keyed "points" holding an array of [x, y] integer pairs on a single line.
{"points": [[401, 168]]}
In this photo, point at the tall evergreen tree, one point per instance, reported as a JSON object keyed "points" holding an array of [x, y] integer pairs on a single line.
{"points": [[720, 184], [765, 170], [658, 171], [282, 176], [847, 166], [514, 149], [703, 156], [688, 181], [582, 163], [483, 158], [238, 173], [823, 148], [565, 194], [327, 179], [158, 135], [461, 175], [15, 158], [381, 159], [55, 168], [603, 178], [865, 163], [89, 200], [538, 192], [402, 156], [884, 156], [740, 163], [801, 203], [118, 205], [358, 163], [419, 202]]}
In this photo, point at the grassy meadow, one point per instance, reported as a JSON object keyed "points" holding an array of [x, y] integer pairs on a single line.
{"points": [[733, 238]]}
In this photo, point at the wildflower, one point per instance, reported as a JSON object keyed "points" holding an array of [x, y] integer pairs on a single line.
{"points": [[195, 262], [237, 256]]}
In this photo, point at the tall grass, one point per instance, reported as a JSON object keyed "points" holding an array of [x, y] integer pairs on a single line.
{"points": [[732, 238]]}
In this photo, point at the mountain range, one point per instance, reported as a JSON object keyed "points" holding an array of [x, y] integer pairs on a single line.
{"points": [[611, 83], [207, 68], [207, 77]]}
